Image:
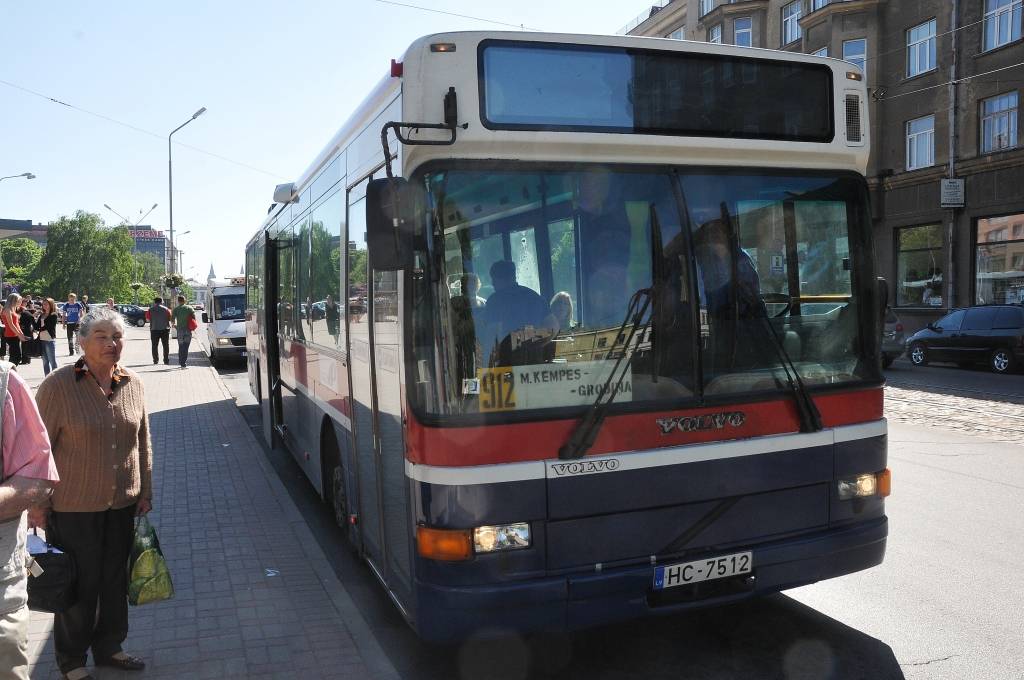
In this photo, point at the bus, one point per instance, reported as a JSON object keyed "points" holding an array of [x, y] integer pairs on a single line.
{"points": [[575, 329]]}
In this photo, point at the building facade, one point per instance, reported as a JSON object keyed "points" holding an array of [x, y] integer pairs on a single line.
{"points": [[945, 79]]}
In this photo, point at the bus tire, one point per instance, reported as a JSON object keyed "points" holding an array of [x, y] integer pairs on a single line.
{"points": [[918, 354], [334, 480]]}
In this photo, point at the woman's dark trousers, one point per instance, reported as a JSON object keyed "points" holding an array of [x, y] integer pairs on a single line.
{"points": [[101, 543]]}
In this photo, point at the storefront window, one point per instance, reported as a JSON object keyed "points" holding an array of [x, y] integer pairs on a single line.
{"points": [[919, 266], [999, 260]]}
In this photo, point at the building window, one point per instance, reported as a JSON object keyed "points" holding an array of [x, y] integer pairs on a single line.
{"points": [[742, 32], [921, 143], [919, 266], [715, 34], [999, 260], [1002, 22], [823, 52], [999, 122], [921, 49], [705, 7], [818, 4], [855, 52], [791, 22], [677, 34]]}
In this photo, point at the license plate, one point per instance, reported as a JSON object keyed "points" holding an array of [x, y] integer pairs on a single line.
{"points": [[244, 353], [702, 570]]}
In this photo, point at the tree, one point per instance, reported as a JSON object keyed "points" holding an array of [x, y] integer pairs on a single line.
{"points": [[148, 268], [21, 259], [85, 256]]}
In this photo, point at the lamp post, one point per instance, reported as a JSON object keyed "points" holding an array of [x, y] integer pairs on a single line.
{"points": [[123, 218], [170, 182], [26, 175]]}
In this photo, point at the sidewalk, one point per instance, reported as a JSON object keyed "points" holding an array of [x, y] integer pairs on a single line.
{"points": [[254, 594]]}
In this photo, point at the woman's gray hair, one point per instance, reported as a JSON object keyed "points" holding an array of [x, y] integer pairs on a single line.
{"points": [[101, 315]]}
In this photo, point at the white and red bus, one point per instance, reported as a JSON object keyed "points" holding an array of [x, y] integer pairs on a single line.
{"points": [[606, 346]]}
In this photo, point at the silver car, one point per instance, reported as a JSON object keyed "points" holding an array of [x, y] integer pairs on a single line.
{"points": [[892, 338]]}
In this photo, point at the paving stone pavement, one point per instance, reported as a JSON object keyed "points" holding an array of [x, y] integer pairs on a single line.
{"points": [[1001, 421], [254, 594]]}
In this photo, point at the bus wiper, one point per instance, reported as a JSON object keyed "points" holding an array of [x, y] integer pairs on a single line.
{"points": [[586, 430], [807, 410]]}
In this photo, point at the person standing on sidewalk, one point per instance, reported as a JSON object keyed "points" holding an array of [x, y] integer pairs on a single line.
{"points": [[12, 327], [184, 319], [29, 473], [48, 335], [159, 318], [95, 413], [73, 313]]}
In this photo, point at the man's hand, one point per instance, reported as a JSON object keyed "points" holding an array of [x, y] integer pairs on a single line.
{"points": [[37, 518], [143, 506]]}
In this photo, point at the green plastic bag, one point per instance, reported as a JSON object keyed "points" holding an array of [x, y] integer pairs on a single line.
{"points": [[148, 577]]}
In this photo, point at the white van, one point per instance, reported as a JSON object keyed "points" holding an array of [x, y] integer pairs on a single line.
{"points": [[225, 318]]}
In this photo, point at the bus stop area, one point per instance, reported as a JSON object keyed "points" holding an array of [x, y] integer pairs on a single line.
{"points": [[255, 596]]}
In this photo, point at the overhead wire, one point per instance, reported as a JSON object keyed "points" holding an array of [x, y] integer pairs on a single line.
{"points": [[136, 128], [456, 14]]}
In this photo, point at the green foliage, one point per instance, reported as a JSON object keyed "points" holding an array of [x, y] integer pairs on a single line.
{"points": [[21, 260], [357, 266], [148, 268], [324, 271], [173, 280], [84, 256]]}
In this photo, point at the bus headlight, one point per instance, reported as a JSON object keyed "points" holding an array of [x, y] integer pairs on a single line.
{"points": [[501, 537], [224, 341], [863, 486]]}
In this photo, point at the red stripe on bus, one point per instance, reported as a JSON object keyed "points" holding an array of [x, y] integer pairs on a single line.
{"points": [[491, 444]]}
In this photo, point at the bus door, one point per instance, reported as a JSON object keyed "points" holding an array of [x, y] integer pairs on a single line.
{"points": [[271, 406], [359, 296]]}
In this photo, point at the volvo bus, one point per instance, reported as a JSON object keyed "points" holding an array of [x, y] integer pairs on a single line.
{"points": [[573, 329]]}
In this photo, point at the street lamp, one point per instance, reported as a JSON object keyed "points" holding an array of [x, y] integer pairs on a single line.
{"points": [[170, 182], [26, 175], [146, 215], [174, 247], [123, 218]]}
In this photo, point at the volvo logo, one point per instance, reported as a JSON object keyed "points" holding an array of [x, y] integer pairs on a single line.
{"points": [[708, 421], [586, 467]]}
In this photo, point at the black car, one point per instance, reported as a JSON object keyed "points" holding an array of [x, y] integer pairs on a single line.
{"points": [[990, 334], [136, 316]]}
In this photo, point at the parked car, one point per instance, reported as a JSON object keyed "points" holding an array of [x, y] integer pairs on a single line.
{"points": [[893, 340], [136, 316], [990, 334], [199, 307]]}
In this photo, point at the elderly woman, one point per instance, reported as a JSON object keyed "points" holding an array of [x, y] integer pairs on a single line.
{"points": [[95, 413]]}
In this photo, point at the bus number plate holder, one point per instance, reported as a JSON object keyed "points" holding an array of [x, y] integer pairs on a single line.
{"points": [[707, 569]]}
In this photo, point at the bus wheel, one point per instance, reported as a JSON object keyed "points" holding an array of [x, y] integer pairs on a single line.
{"points": [[334, 480], [918, 354]]}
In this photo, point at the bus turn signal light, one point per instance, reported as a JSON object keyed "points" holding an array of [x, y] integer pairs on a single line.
{"points": [[884, 483], [448, 545]]}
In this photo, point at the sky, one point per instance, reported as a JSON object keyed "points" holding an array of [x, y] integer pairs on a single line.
{"points": [[277, 80]]}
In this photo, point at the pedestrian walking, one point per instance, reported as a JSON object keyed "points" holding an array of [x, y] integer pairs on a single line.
{"points": [[159, 318], [11, 316], [29, 473], [184, 324], [47, 325], [95, 414], [110, 304], [73, 313]]}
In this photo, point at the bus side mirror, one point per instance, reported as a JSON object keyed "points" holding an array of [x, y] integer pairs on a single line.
{"points": [[206, 318], [391, 210]]}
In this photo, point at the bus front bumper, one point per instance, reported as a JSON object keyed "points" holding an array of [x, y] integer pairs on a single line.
{"points": [[578, 601]]}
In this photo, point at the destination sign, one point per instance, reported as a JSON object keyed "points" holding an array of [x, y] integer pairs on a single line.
{"points": [[517, 388]]}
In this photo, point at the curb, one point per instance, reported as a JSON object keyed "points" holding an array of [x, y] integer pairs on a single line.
{"points": [[366, 643]]}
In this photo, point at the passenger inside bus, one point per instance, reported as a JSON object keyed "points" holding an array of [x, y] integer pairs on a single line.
{"points": [[510, 308], [559, 319]]}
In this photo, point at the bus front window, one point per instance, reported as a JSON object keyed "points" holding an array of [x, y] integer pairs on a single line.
{"points": [[539, 269]]}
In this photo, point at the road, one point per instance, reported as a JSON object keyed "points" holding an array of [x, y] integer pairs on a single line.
{"points": [[946, 602]]}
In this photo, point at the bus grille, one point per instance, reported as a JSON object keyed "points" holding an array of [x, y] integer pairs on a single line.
{"points": [[238, 342], [853, 131]]}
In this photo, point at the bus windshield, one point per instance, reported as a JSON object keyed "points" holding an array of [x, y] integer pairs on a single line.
{"points": [[537, 279]]}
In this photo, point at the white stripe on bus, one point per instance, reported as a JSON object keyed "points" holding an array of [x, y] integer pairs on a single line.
{"points": [[638, 460]]}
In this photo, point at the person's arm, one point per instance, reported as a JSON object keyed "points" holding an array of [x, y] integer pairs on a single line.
{"points": [[145, 466], [28, 462]]}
